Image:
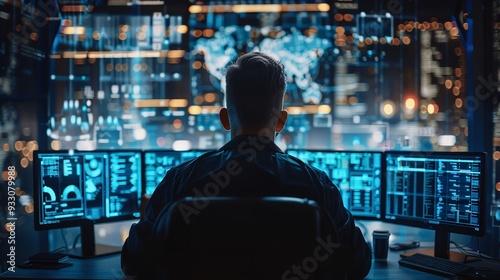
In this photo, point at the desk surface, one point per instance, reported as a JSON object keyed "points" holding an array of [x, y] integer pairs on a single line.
{"points": [[108, 267]]}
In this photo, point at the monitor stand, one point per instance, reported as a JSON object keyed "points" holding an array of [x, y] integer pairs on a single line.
{"points": [[442, 249], [89, 249]]}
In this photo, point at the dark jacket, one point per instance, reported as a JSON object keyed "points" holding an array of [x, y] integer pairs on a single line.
{"points": [[248, 165]]}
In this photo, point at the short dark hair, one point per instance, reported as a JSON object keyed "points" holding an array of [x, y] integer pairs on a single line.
{"points": [[255, 86]]}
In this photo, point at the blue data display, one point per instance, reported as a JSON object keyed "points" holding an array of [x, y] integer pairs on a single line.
{"points": [[157, 163], [88, 185], [434, 188], [358, 176]]}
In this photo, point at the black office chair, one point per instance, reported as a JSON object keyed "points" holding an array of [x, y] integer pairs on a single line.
{"points": [[243, 238]]}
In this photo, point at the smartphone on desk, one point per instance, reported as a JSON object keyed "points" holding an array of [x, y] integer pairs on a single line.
{"points": [[404, 246]]}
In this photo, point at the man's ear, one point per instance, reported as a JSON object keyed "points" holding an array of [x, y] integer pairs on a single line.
{"points": [[281, 121], [224, 118]]}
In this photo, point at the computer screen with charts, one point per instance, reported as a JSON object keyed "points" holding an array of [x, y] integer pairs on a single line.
{"points": [[357, 174], [81, 188], [443, 191], [158, 162]]}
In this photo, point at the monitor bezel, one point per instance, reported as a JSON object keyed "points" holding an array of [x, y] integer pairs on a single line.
{"points": [[446, 227], [77, 222], [382, 178]]}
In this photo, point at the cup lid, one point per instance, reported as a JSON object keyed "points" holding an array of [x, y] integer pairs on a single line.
{"points": [[384, 232]]}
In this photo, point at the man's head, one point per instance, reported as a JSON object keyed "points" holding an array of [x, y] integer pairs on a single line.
{"points": [[255, 86]]}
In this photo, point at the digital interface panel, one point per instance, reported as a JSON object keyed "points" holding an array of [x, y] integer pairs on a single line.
{"points": [[356, 174], [91, 185], [157, 163], [280, 35], [434, 188]]}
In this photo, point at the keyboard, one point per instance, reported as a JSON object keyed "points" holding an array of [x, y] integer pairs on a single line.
{"points": [[434, 265]]}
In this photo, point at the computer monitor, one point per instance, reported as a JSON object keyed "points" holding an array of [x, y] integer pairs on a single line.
{"points": [[443, 191], [82, 188], [357, 174], [158, 162]]}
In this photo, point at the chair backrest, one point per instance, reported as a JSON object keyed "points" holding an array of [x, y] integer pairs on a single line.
{"points": [[240, 238]]}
